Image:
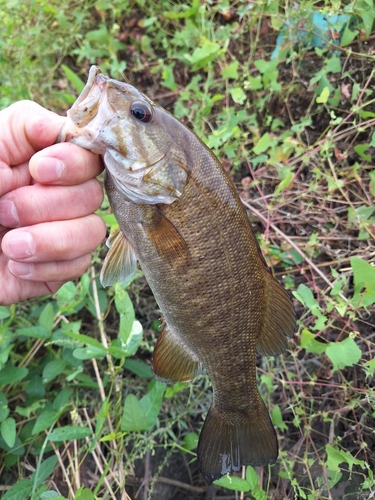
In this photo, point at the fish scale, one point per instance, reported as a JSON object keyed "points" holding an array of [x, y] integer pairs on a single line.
{"points": [[182, 219]]}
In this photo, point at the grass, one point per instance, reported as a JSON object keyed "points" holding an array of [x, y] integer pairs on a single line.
{"points": [[81, 416]]}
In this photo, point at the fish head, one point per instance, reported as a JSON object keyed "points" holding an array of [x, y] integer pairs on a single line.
{"points": [[133, 134]]}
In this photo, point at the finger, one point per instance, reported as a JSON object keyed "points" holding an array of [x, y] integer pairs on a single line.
{"points": [[27, 129], [55, 241], [38, 203], [50, 271], [65, 164]]}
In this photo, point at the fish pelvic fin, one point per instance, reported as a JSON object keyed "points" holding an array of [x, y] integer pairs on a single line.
{"points": [[230, 440], [279, 319], [171, 360], [120, 263]]}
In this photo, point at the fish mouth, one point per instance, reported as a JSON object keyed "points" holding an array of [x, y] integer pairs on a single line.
{"points": [[90, 113]]}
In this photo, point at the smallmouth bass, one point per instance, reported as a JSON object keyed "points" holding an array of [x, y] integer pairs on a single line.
{"points": [[180, 216]]}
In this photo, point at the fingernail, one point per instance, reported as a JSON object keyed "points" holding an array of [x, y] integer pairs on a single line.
{"points": [[49, 169], [19, 244], [20, 268], [8, 214]]}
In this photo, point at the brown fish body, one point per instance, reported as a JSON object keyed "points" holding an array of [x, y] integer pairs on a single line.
{"points": [[203, 264]]}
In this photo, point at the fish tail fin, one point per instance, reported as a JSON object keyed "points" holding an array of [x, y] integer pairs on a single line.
{"points": [[230, 440]]}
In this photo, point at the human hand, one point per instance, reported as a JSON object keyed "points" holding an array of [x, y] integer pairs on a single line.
{"points": [[48, 194]]}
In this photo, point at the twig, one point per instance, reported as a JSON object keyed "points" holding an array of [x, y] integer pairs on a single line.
{"points": [[179, 484], [292, 244]]}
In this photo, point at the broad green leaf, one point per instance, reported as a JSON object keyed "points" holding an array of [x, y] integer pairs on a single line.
{"points": [[361, 149], [323, 97], [51, 494], [69, 433], [89, 352], [44, 470], [67, 292], [53, 369], [336, 457], [252, 477], [133, 416], [135, 336], [62, 399], [277, 418], [4, 410], [263, 144], [348, 36], [44, 421], [85, 339], [342, 354], [4, 312], [238, 95], [11, 374], [177, 387], [46, 318], [8, 431], [74, 79], [369, 367], [36, 332], [84, 494], [364, 282], [231, 71], [138, 367], [151, 402], [19, 491], [311, 345], [233, 483], [190, 442]]}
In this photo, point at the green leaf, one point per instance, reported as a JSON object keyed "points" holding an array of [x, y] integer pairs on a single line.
{"points": [[36, 332], [190, 442], [4, 410], [361, 149], [19, 491], [348, 36], [89, 352], [4, 312], [8, 431], [336, 457], [152, 401], [342, 354], [51, 494], [44, 470], [44, 421], [133, 416], [238, 95], [74, 79], [11, 374], [252, 477], [84, 494], [277, 418], [138, 367], [233, 483], [311, 345], [364, 282], [70, 433], [323, 97], [231, 71], [46, 318], [135, 336], [62, 399], [53, 369], [263, 144]]}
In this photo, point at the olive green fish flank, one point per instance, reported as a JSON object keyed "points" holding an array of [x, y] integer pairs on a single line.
{"points": [[180, 216]]}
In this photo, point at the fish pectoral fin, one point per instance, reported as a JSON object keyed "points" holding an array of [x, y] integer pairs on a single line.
{"points": [[279, 319], [171, 360], [230, 440], [166, 238], [120, 263]]}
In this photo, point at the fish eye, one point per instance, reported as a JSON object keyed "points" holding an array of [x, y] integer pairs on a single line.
{"points": [[141, 111]]}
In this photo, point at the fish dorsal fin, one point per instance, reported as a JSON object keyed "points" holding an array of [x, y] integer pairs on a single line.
{"points": [[171, 360], [279, 319], [166, 238], [120, 263]]}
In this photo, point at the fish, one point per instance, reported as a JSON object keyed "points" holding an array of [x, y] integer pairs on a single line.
{"points": [[181, 218]]}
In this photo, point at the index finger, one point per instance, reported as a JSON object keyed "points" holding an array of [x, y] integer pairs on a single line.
{"points": [[64, 164]]}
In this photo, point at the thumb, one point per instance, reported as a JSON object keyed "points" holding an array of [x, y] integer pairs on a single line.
{"points": [[26, 128]]}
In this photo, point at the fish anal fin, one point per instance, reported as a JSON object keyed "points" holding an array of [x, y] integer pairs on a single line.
{"points": [[171, 360], [120, 263], [230, 440], [166, 238], [279, 321]]}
